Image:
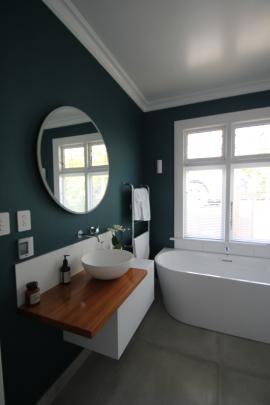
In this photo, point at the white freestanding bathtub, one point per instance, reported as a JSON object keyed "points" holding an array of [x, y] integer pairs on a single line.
{"points": [[229, 294]]}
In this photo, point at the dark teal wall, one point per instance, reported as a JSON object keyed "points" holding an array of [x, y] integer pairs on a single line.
{"points": [[43, 67], [159, 144]]}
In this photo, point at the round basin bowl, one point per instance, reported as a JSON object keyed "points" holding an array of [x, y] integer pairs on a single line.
{"points": [[107, 264]]}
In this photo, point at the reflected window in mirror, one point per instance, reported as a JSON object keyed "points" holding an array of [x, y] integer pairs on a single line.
{"points": [[80, 171], [73, 160]]}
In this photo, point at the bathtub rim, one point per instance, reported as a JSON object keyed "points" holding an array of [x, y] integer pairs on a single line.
{"points": [[166, 250]]}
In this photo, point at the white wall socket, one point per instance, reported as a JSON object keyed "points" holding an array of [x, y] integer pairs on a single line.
{"points": [[24, 220], [25, 247], [4, 223]]}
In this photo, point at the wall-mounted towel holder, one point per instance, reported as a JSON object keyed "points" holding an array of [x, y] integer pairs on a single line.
{"points": [[132, 188]]}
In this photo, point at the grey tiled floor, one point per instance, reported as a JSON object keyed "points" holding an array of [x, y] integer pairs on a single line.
{"points": [[168, 362]]}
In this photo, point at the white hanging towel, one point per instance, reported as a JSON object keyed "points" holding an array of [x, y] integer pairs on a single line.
{"points": [[141, 204], [141, 246]]}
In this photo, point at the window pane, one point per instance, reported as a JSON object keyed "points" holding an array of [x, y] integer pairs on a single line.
{"points": [[253, 140], [204, 144], [203, 216], [251, 204], [99, 155], [98, 184], [72, 192], [73, 157]]}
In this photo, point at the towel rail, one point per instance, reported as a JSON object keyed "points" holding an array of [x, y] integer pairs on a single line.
{"points": [[132, 188]]}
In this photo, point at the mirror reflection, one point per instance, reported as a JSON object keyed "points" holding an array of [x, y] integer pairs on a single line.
{"points": [[73, 159]]}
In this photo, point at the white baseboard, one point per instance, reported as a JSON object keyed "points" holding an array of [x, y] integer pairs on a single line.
{"points": [[2, 394], [62, 381]]}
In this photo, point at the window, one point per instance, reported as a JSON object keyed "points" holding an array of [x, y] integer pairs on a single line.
{"points": [[203, 203], [252, 140], [222, 179], [80, 171], [251, 203], [204, 144]]}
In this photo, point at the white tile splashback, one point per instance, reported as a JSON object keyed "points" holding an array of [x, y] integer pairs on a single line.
{"points": [[45, 268]]}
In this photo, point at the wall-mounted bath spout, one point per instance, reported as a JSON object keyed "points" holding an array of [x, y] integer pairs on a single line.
{"points": [[92, 234], [227, 252]]}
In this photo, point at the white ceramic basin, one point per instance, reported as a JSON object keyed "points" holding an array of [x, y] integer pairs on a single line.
{"points": [[107, 264]]}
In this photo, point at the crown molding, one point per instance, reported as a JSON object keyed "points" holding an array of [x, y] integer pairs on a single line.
{"points": [[77, 24], [213, 94], [81, 29]]}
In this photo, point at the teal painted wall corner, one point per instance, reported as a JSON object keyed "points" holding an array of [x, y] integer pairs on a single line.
{"points": [[43, 66]]}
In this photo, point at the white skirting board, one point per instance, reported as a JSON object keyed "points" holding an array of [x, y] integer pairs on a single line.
{"points": [[2, 393], [62, 381]]}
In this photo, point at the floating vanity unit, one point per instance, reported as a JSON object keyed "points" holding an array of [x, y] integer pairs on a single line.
{"points": [[114, 336], [98, 315]]}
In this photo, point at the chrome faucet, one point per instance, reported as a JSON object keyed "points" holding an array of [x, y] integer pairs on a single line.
{"points": [[227, 252], [93, 233], [94, 230]]}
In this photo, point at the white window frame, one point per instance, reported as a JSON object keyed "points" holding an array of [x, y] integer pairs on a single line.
{"points": [[228, 122], [86, 170]]}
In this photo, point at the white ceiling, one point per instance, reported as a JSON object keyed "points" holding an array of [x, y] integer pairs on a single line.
{"points": [[175, 52]]}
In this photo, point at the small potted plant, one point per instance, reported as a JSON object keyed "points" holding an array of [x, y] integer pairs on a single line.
{"points": [[116, 231]]}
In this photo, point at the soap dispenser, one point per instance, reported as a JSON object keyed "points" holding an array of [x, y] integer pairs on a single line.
{"points": [[65, 272]]}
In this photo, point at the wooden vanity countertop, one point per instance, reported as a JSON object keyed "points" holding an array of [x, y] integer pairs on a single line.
{"points": [[84, 305]]}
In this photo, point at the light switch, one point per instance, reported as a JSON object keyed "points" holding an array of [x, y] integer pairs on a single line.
{"points": [[24, 220], [4, 223]]}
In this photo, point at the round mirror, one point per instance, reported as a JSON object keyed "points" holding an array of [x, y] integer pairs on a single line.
{"points": [[73, 160]]}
